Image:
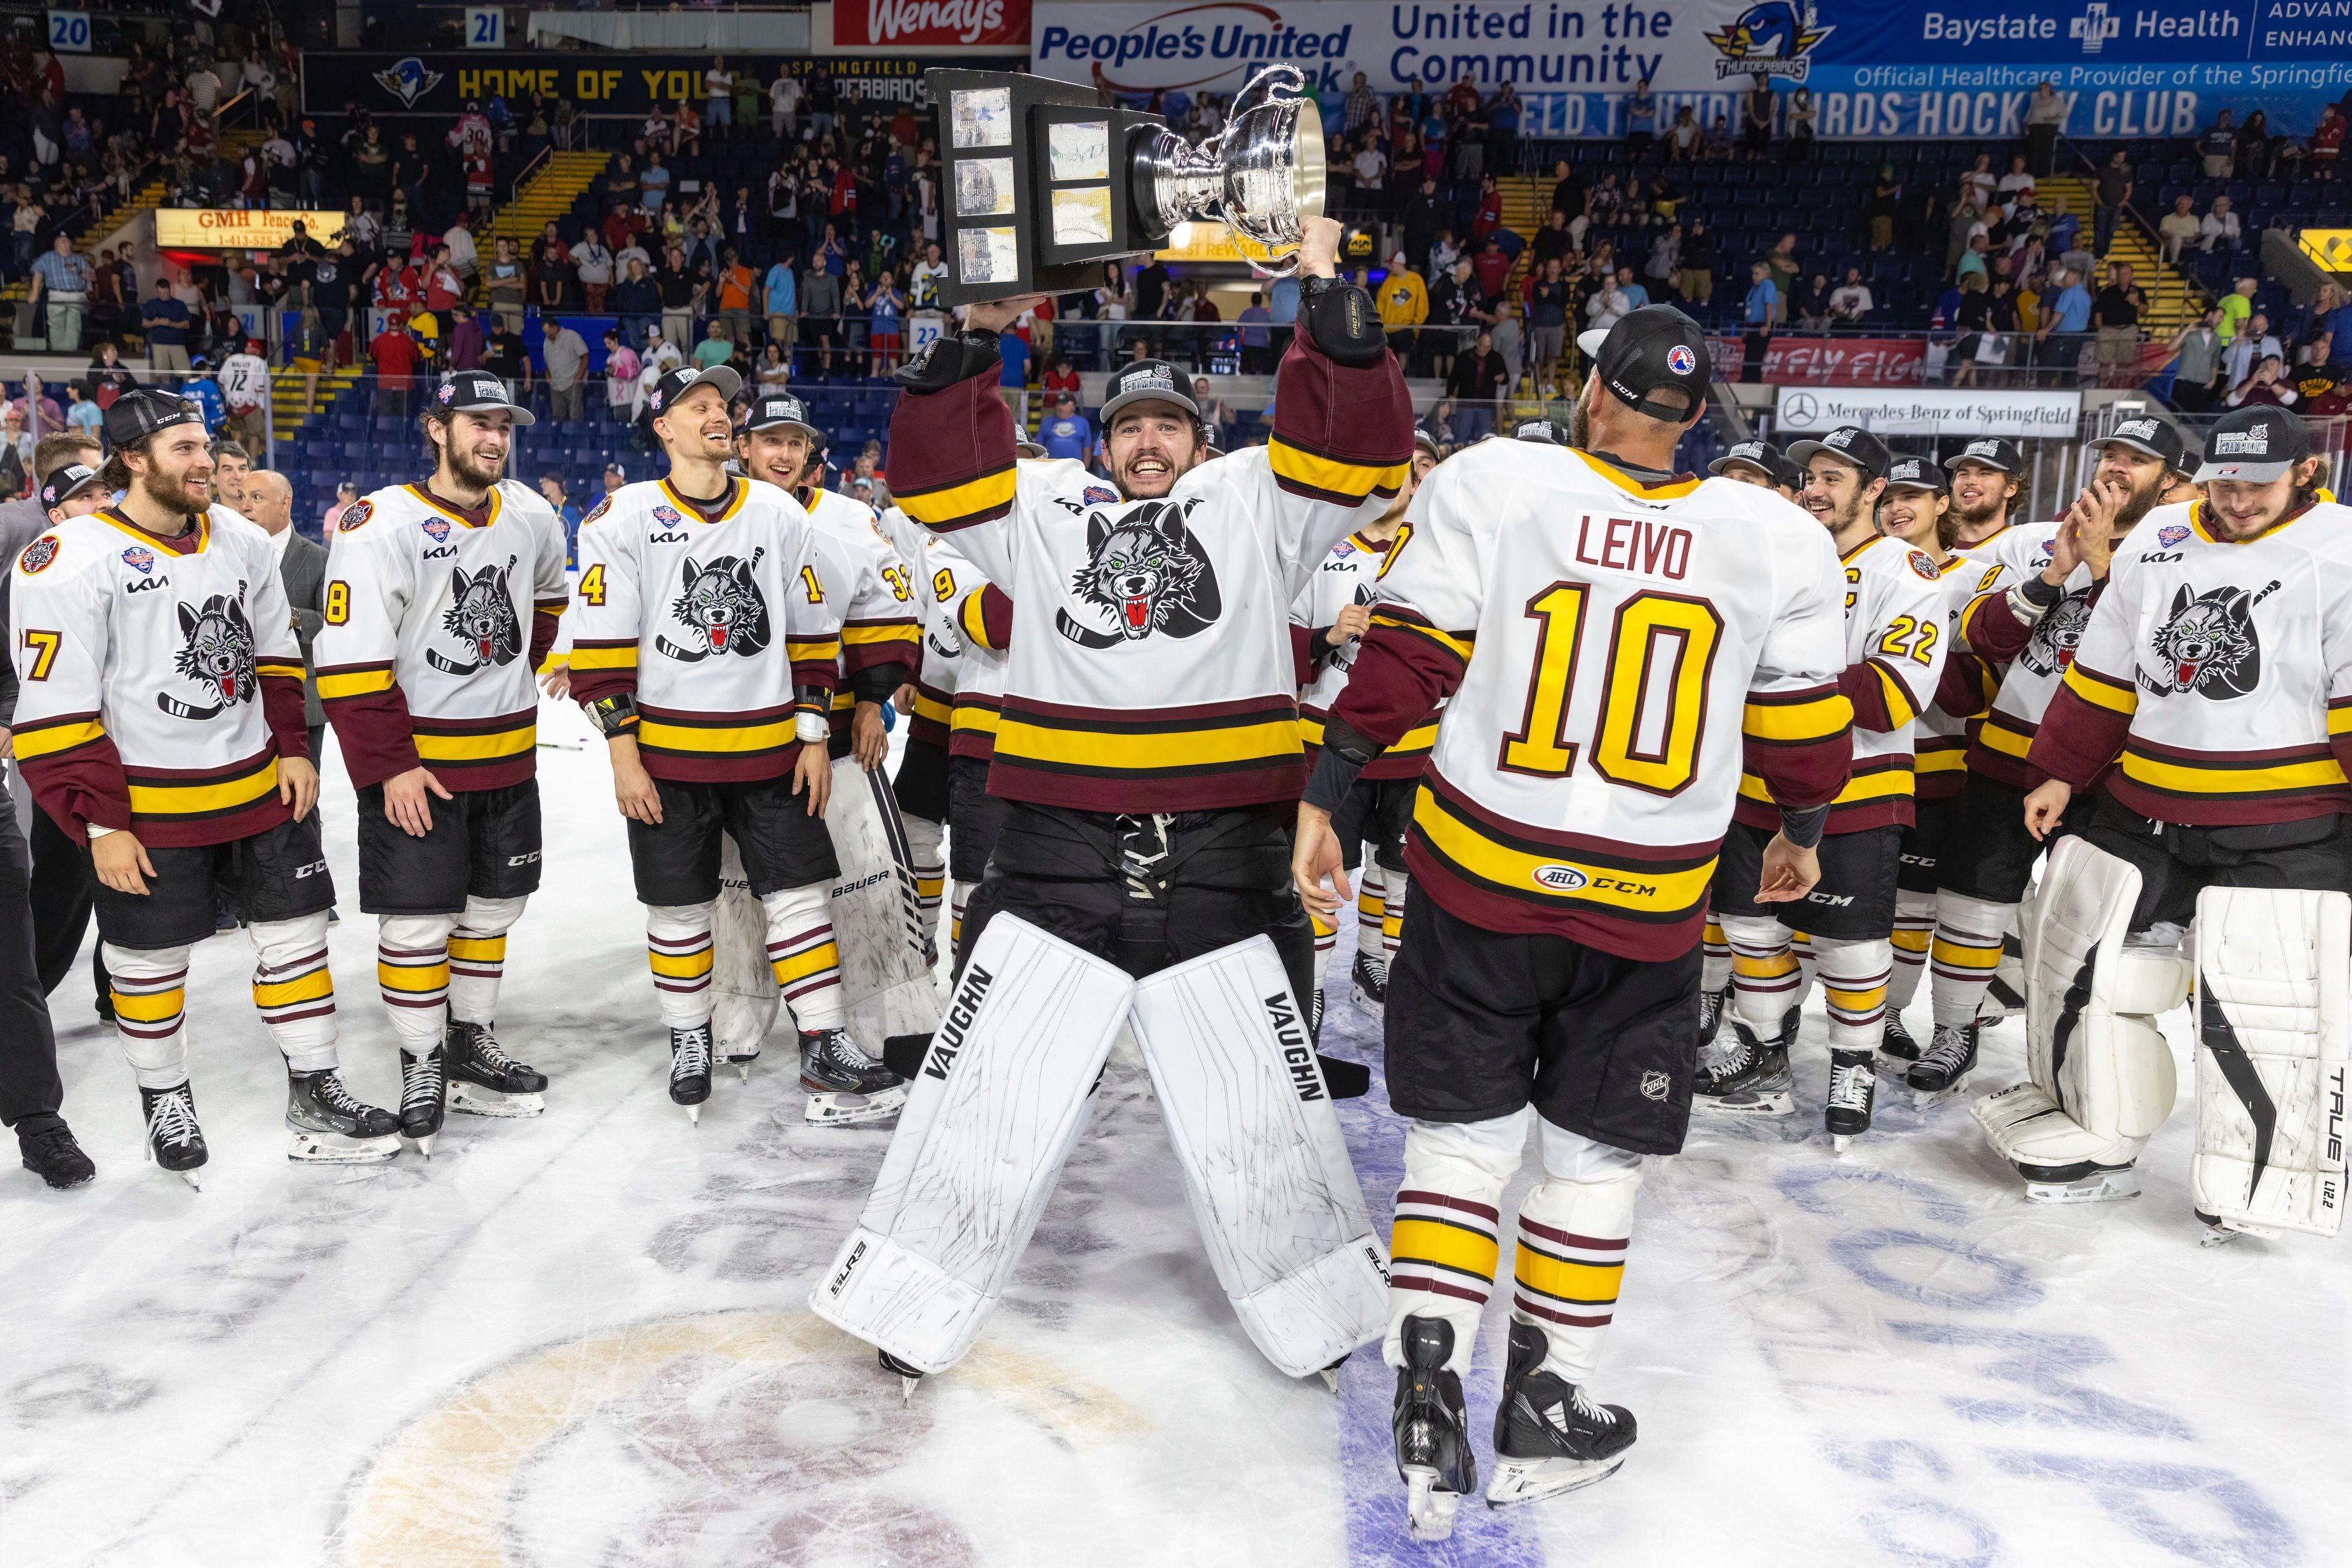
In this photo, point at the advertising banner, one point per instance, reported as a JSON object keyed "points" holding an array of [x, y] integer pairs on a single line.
{"points": [[1875, 69], [600, 83], [230, 228], [1848, 362], [1923, 412], [931, 24]]}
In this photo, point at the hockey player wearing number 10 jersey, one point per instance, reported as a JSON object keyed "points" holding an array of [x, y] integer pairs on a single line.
{"points": [[1611, 639]]}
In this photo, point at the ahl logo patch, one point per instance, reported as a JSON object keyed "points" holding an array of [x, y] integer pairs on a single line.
{"points": [[438, 527], [1655, 1086], [1559, 878], [139, 558], [37, 554], [358, 512], [1681, 361], [2172, 534]]}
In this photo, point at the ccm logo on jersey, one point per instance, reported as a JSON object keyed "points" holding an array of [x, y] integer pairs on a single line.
{"points": [[1295, 1053], [960, 1012], [1635, 544]]}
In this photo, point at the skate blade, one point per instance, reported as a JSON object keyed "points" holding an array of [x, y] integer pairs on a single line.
{"points": [[475, 1099], [836, 1108], [1782, 1104], [1890, 1054], [1921, 1099], [2109, 1186], [308, 1148], [1840, 1142], [421, 1145], [744, 1066], [1368, 1004], [2222, 1232], [1531, 1480], [1428, 1512], [693, 1113]]}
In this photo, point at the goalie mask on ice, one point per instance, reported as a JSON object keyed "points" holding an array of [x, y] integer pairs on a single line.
{"points": [[1003, 1095], [2101, 1077]]}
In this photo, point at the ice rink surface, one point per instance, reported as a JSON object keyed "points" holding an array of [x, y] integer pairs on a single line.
{"points": [[581, 1340]]}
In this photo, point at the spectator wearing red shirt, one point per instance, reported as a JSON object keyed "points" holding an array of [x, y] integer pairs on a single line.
{"points": [[398, 292], [2327, 142], [442, 288], [1493, 269], [395, 356], [621, 227], [1061, 379]]}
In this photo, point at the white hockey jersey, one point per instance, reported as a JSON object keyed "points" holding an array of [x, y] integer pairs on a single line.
{"points": [[1895, 645], [711, 618], [976, 618], [2036, 660], [160, 679], [875, 590], [435, 617], [2217, 677], [1348, 575], [1612, 648], [1939, 738]]}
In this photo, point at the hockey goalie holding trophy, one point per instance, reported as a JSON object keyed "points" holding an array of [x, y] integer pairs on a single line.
{"points": [[1147, 747]]}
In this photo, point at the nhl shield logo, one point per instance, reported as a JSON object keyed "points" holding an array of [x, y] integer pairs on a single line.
{"points": [[2170, 534], [1656, 1086], [139, 558], [439, 529]]}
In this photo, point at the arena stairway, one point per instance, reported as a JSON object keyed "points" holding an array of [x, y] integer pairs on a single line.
{"points": [[548, 195], [2174, 299]]}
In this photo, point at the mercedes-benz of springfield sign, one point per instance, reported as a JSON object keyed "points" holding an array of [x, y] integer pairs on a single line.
{"points": [[2161, 68], [1891, 412]]}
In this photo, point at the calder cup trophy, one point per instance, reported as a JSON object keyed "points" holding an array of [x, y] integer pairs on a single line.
{"points": [[1043, 184]]}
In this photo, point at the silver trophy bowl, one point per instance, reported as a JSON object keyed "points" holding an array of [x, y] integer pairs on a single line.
{"points": [[1261, 176]]}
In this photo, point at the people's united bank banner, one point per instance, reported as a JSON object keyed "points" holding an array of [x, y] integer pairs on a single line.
{"points": [[1875, 67]]}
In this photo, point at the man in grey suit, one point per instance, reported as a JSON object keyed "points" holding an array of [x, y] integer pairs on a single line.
{"points": [[302, 566]]}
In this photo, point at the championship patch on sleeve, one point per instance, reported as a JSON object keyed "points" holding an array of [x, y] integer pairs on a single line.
{"points": [[37, 554], [598, 510], [1921, 564], [355, 514]]}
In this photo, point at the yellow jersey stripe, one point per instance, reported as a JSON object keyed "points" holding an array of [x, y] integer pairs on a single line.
{"points": [[1128, 751], [49, 739], [316, 986], [475, 747], [2099, 691], [595, 656], [704, 741], [156, 799], [1792, 723], [1333, 476], [1447, 1245], [2178, 778], [952, 505], [1651, 892]]}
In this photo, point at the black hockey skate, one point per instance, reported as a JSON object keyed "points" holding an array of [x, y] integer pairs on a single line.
{"points": [[846, 1086], [1549, 1436], [1712, 1006], [1433, 1430], [424, 1097], [689, 1068], [1951, 1057], [484, 1081], [332, 1127], [1853, 1086], [1744, 1077], [1896, 1042], [50, 1153], [1369, 980], [174, 1140]]}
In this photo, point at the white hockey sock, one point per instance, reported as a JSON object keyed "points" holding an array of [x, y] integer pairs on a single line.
{"points": [[1914, 928], [804, 956], [150, 988], [1800, 944], [1327, 937], [1371, 912], [295, 990], [412, 971], [1854, 983], [678, 946], [1966, 951], [1393, 915], [1574, 1228], [478, 957], [963, 891], [1764, 975], [1714, 959], [930, 867], [1442, 1247]]}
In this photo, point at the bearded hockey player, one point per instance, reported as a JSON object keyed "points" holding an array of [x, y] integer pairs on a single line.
{"points": [[1149, 751], [442, 597], [1895, 650], [159, 724], [2026, 614], [707, 651], [2212, 691], [1327, 628], [1609, 639]]}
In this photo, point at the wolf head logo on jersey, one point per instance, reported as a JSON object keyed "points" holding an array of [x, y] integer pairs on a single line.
{"points": [[217, 653], [481, 615], [2207, 644], [1144, 573], [2051, 647], [721, 605]]}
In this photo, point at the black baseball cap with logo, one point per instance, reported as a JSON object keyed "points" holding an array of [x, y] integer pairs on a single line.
{"points": [[1146, 380], [66, 482], [1760, 455], [675, 384], [1915, 474], [142, 412], [1543, 430], [771, 411], [1850, 443], [1650, 351], [2146, 432], [1993, 452], [478, 391], [2254, 445]]}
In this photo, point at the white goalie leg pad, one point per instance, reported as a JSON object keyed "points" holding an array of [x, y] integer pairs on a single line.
{"points": [[1265, 1165], [2272, 1015], [1003, 1095], [877, 911], [742, 989], [2101, 1076]]}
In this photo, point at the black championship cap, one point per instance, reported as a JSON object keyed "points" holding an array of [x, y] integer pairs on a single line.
{"points": [[1992, 451], [1915, 474], [1425, 441], [771, 410], [675, 384], [1850, 443], [2253, 444], [2146, 432], [1793, 473], [67, 483], [1760, 455], [1146, 380], [477, 392], [141, 412], [1543, 430], [1650, 350]]}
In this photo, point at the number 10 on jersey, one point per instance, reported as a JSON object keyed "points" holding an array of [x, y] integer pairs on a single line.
{"points": [[1652, 695]]}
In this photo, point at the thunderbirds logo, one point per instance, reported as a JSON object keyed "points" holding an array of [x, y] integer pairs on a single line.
{"points": [[408, 81], [1774, 39]]}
